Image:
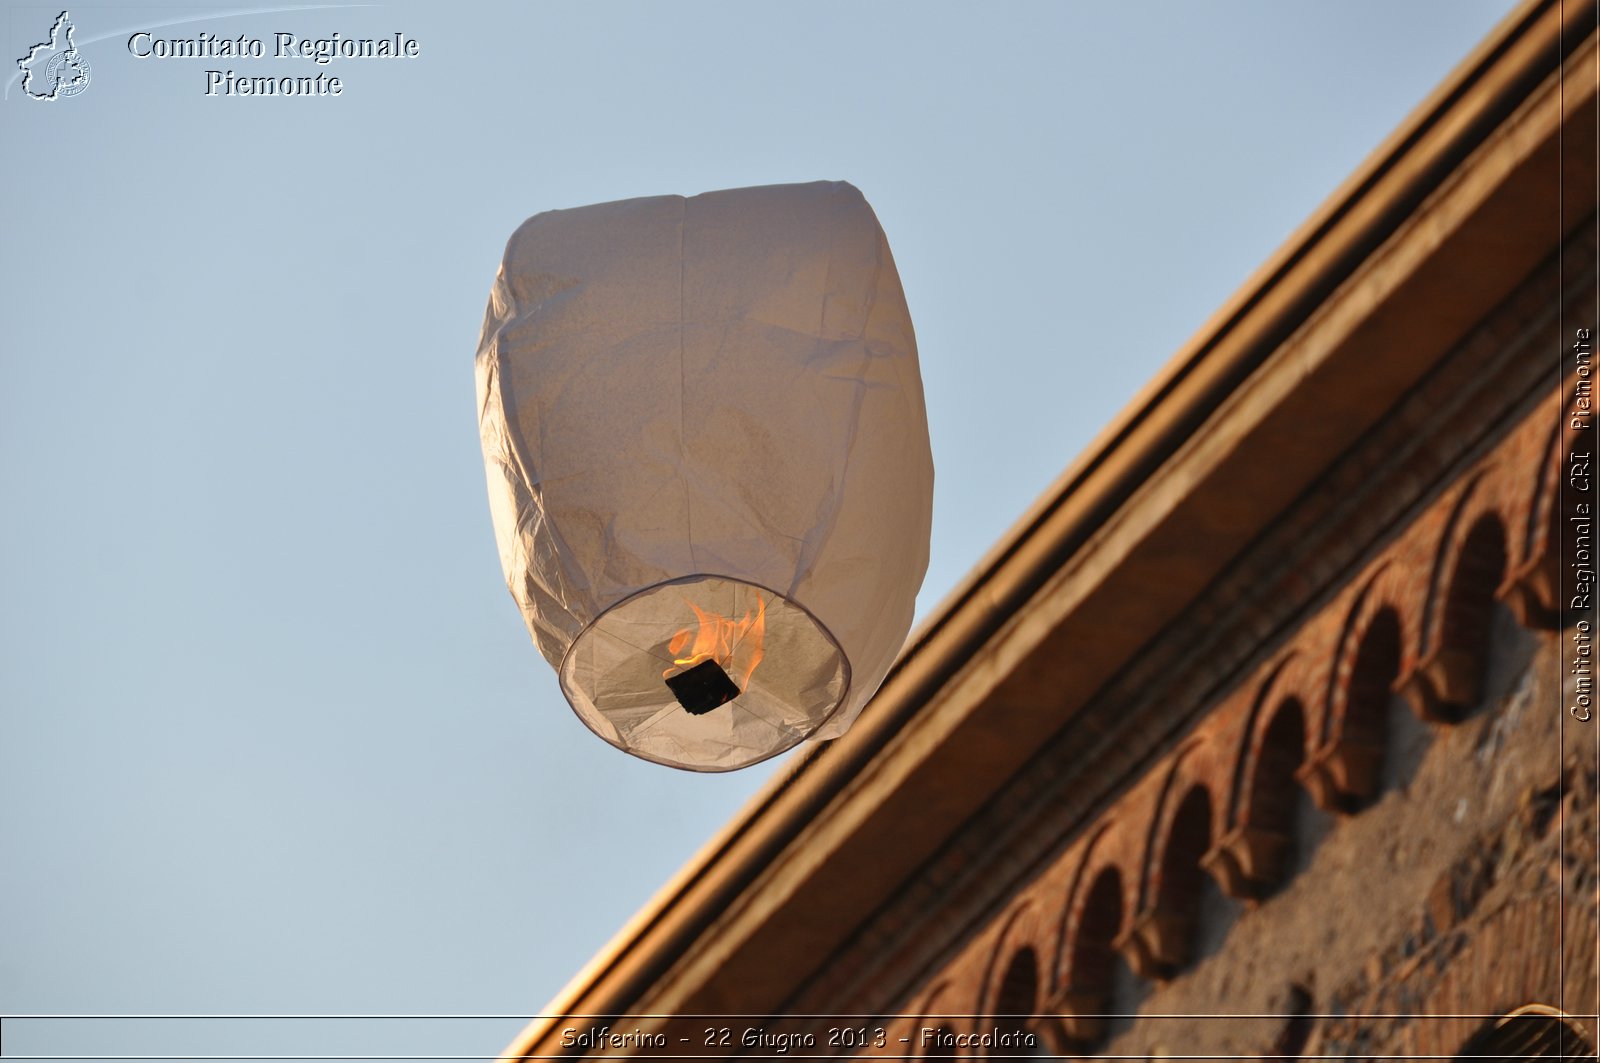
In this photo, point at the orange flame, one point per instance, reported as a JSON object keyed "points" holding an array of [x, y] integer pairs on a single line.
{"points": [[717, 638]]}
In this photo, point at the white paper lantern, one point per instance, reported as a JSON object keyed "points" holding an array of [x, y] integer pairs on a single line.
{"points": [[708, 464]]}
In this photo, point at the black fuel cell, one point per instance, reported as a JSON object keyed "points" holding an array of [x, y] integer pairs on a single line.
{"points": [[702, 688]]}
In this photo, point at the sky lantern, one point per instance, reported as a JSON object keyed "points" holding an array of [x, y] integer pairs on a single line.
{"points": [[708, 464]]}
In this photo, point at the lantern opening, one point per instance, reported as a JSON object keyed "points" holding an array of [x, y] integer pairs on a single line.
{"points": [[753, 674], [702, 688]]}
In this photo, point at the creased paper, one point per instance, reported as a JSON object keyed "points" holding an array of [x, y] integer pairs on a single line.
{"points": [[698, 414]]}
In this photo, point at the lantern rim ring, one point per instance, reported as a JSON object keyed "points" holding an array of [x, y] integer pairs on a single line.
{"points": [[700, 577]]}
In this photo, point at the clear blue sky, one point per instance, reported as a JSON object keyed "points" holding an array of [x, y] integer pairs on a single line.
{"points": [[275, 739]]}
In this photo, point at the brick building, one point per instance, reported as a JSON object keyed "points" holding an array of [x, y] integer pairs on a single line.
{"points": [[1265, 731]]}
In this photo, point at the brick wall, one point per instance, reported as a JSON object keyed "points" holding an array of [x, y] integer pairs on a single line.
{"points": [[1393, 816]]}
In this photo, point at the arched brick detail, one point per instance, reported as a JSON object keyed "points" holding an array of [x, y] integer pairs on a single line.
{"points": [[1016, 981], [1091, 859], [1093, 957], [1532, 587], [1466, 508], [1504, 484], [1186, 770], [1018, 998], [1097, 910], [935, 1013], [1268, 693], [1343, 772], [1159, 940], [1249, 856], [1022, 930], [1281, 744], [1467, 574], [1546, 478]]}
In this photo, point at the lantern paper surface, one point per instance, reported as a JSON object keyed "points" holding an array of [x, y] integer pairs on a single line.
{"points": [[708, 464]]}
